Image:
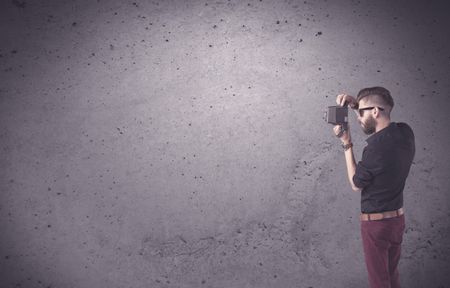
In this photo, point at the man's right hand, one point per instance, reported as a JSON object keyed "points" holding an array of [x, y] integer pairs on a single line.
{"points": [[342, 98]]}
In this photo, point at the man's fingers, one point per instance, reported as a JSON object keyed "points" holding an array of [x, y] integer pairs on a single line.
{"points": [[337, 129], [338, 99], [341, 99]]}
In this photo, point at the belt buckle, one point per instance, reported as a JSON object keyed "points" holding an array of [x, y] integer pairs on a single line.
{"points": [[376, 216]]}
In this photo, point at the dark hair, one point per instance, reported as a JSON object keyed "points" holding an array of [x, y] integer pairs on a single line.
{"points": [[383, 93]]}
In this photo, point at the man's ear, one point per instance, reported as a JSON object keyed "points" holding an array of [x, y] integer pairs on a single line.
{"points": [[376, 112]]}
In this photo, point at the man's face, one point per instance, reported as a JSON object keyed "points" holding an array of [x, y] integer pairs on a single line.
{"points": [[365, 119], [368, 124]]}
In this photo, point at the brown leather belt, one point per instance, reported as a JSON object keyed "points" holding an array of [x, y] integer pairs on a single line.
{"points": [[382, 215]]}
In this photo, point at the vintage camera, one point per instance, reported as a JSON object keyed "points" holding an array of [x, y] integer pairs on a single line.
{"points": [[337, 115]]}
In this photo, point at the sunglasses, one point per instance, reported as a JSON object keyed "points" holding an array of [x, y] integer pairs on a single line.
{"points": [[361, 110]]}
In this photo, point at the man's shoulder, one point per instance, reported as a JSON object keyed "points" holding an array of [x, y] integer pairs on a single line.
{"points": [[405, 128], [396, 134], [403, 125]]}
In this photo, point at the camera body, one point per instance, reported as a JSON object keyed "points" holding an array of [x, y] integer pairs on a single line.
{"points": [[337, 115]]}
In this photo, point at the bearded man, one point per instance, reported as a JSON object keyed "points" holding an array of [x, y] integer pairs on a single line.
{"points": [[380, 176]]}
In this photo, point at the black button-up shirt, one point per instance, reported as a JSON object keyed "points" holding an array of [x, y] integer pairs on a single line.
{"points": [[385, 164]]}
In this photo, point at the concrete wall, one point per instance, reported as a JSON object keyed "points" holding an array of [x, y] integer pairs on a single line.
{"points": [[181, 143]]}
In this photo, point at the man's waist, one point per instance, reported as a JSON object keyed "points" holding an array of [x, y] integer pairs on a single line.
{"points": [[381, 215], [379, 201]]}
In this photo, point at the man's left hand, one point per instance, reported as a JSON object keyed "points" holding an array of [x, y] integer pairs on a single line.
{"points": [[345, 137]]}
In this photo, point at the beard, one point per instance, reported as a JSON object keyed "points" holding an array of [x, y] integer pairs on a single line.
{"points": [[369, 126]]}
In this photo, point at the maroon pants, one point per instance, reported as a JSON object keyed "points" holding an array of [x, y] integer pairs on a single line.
{"points": [[382, 241]]}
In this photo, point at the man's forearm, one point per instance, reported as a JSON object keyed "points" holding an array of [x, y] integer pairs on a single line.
{"points": [[351, 167]]}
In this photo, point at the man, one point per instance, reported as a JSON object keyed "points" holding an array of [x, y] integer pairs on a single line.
{"points": [[380, 176]]}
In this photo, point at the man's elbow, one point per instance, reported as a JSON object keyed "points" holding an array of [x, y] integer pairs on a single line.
{"points": [[354, 187]]}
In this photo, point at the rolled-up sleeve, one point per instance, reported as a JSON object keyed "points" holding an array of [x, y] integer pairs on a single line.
{"points": [[370, 165]]}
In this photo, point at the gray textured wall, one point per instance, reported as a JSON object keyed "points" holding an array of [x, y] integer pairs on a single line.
{"points": [[181, 143]]}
